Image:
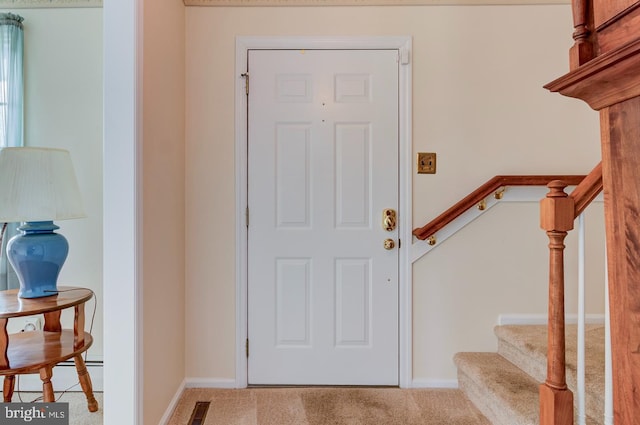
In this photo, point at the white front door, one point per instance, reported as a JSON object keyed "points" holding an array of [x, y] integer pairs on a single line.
{"points": [[322, 169]]}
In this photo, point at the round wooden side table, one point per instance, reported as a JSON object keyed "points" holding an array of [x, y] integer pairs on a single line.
{"points": [[40, 351]]}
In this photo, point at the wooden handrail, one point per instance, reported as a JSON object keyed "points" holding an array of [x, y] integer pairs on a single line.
{"points": [[482, 192], [587, 190]]}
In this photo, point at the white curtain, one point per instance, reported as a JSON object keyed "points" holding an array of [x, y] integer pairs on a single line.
{"points": [[11, 116]]}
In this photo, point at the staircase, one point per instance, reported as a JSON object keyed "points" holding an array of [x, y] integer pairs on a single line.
{"points": [[504, 385]]}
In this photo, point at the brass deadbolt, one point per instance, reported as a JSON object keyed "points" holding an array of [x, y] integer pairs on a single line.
{"points": [[389, 220]]}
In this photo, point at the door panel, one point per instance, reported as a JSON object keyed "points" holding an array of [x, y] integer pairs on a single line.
{"points": [[322, 167]]}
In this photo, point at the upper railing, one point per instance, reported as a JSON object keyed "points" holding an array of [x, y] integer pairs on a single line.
{"points": [[558, 211], [587, 190], [477, 196]]}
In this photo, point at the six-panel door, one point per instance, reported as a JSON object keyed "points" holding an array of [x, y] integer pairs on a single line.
{"points": [[322, 169]]}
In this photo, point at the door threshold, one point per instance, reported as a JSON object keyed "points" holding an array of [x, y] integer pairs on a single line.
{"points": [[271, 386]]}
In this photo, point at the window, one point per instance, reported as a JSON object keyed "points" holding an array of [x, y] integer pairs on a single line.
{"points": [[11, 117]]}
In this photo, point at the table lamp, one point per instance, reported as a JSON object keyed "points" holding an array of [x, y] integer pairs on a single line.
{"points": [[37, 186]]}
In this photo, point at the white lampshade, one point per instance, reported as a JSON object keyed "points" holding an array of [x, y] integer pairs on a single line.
{"points": [[38, 184]]}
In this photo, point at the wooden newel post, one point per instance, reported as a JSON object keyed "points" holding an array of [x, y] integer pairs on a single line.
{"points": [[582, 50], [556, 218]]}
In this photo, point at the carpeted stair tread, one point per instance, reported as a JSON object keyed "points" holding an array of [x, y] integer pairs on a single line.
{"points": [[526, 347], [501, 391]]}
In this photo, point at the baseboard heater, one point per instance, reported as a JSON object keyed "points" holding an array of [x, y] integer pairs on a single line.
{"points": [[65, 377]]}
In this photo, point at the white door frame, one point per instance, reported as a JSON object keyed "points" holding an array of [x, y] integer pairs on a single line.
{"points": [[122, 203], [403, 45]]}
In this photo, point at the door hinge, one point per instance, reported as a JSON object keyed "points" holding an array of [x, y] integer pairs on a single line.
{"points": [[246, 82], [247, 347], [246, 217], [399, 243]]}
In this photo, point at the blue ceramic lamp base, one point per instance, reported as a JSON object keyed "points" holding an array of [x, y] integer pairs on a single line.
{"points": [[37, 255]]}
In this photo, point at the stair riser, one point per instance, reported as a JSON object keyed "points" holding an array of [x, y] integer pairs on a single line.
{"points": [[492, 410], [533, 363], [507, 395]]}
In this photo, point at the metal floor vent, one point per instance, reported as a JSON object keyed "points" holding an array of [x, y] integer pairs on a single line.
{"points": [[199, 413]]}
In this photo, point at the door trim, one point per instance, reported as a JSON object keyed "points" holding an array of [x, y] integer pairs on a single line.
{"points": [[403, 45]]}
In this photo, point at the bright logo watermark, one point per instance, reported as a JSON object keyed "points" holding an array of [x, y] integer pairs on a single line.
{"points": [[34, 413]]}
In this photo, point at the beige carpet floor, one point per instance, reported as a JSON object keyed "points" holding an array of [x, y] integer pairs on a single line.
{"points": [[324, 406]]}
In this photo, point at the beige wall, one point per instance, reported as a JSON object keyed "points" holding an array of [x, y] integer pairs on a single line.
{"points": [[63, 109], [478, 102], [163, 205]]}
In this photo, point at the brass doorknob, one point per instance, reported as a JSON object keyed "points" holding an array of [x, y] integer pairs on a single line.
{"points": [[389, 244]]}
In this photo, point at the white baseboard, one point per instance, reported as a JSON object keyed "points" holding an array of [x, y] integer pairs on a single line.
{"points": [[194, 383], [65, 377], [172, 405], [231, 383], [434, 383], [541, 319], [210, 383]]}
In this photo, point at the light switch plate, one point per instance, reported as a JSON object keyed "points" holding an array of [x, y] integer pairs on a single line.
{"points": [[426, 163]]}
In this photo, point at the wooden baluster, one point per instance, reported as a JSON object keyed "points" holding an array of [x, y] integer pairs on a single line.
{"points": [[582, 50], [556, 218]]}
